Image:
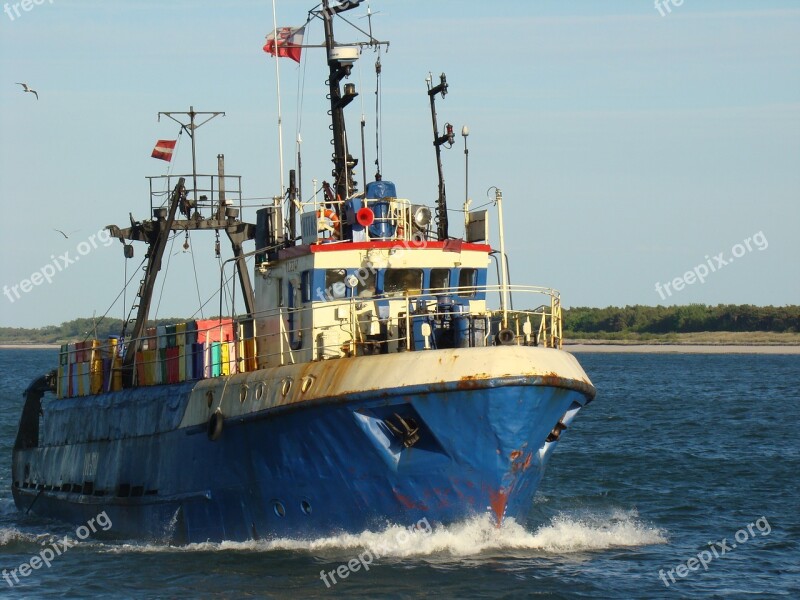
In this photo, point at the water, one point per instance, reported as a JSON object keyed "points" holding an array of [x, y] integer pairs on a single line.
{"points": [[677, 451]]}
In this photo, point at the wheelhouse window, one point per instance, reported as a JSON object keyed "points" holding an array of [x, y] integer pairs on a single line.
{"points": [[306, 285], [335, 282], [367, 280], [397, 282], [440, 280], [467, 279]]}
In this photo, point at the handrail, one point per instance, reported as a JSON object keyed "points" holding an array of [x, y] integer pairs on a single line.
{"points": [[337, 328], [232, 193], [395, 220]]}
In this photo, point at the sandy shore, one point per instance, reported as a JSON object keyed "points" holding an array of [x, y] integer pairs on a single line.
{"points": [[682, 348], [30, 346]]}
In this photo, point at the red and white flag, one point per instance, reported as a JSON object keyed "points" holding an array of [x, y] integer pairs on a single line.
{"points": [[164, 149], [290, 42]]}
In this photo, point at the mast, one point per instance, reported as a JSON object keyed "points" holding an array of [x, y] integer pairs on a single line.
{"points": [[340, 63], [190, 128], [292, 193], [278, 93], [447, 138], [221, 185], [155, 233]]}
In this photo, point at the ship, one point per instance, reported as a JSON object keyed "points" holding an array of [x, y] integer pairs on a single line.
{"points": [[376, 376]]}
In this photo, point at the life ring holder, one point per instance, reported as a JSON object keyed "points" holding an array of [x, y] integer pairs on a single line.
{"points": [[326, 214]]}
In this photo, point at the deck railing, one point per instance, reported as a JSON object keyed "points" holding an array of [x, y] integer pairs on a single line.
{"points": [[387, 219], [212, 192], [352, 326]]}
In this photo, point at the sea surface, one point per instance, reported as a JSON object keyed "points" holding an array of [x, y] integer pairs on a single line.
{"points": [[684, 471]]}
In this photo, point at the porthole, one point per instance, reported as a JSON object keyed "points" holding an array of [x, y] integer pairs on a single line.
{"points": [[305, 506], [259, 391], [279, 509], [243, 393], [210, 398], [306, 384], [286, 385]]}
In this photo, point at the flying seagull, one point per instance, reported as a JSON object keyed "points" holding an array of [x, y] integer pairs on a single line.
{"points": [[64, 234], [25, 88]]}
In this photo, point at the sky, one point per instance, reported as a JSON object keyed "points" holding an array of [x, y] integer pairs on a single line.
{"points": [[647, 153]]}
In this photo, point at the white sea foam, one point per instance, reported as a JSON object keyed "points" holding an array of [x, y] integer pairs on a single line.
{"points": [[564, 534], [9, 535]]}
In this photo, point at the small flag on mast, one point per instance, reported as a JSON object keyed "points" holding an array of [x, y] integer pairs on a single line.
{"points": [[164, 149], [290, 42]]}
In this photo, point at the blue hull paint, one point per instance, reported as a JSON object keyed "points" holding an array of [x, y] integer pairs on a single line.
{"points": [[331, 466]]}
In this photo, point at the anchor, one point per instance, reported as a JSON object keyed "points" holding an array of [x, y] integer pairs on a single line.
{"points": [[408, 430]]}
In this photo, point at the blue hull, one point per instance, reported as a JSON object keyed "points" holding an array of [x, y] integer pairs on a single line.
{"points": [[311, 469]]}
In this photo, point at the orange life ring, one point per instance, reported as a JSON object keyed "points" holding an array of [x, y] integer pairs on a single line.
{"points": [[330, 216]]}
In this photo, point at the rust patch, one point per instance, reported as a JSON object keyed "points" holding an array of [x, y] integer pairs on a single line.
{"points": [[515, 454], [408, 502], [472, 382], [441, 495], [498, 502], [518, 466]]}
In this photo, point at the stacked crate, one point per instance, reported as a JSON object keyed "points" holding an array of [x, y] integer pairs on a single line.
{"points": [[168, 354], [216, 338], [247, 346], [88, 367]]}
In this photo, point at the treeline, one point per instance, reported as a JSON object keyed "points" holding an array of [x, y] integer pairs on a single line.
{"points": [[70, 331], [682, 319], [578, 320]]}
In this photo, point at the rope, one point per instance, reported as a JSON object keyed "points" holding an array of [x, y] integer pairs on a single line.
{"points": [[197, 285], [228, 296], [473, 208], [124, 289], [166, 191], [214, 295], [124, 285], [164, 280], [301, 90]]}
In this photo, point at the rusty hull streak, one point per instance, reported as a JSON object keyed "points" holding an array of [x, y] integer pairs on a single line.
{"points": [[336, 374], [473, 382], [498, 501], [408, 502], [517, 466], [552, 379], [332, 378]]}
